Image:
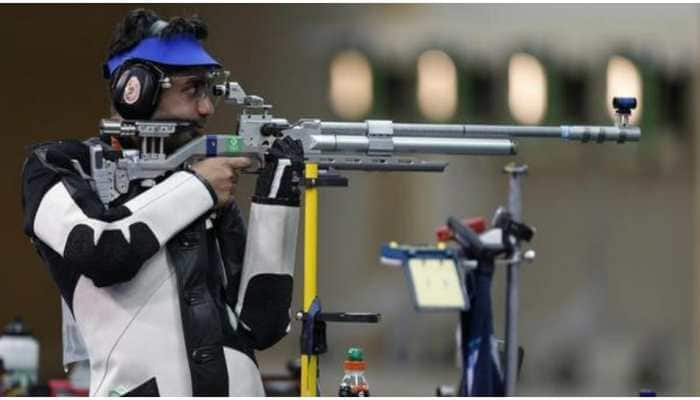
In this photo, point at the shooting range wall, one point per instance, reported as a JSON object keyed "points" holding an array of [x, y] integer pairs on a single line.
{"points": [[609, 305]]}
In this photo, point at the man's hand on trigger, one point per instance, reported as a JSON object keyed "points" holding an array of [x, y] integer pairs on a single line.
{"points": [[222, 174], [278, 182]]}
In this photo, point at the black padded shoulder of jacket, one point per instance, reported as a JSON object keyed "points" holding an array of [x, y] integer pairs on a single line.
{"points": [[113, 259], [46, 164]]}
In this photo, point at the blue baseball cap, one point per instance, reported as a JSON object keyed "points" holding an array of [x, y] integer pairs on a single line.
{"points": [[180, 51]]}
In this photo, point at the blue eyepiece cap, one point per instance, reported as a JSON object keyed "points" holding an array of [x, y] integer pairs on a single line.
{"points": [[624, 105]]}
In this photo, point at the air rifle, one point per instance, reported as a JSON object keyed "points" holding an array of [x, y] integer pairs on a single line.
{"points": [[372, 145]]}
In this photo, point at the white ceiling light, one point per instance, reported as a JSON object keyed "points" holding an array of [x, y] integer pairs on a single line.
{"points": [[437, 85], [350, 85], [527, 89]]}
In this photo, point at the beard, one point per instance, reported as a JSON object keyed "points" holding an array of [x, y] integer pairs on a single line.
{"points": [[180, 138]]}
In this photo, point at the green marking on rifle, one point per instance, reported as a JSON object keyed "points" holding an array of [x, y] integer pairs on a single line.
{"points": [[234, 145]]}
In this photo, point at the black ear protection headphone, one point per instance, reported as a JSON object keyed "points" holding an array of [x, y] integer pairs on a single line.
{"points": [[136, 87]]}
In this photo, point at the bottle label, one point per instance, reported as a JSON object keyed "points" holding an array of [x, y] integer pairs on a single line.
{"points": [[353, 390], [345, 391], [18, 381]]}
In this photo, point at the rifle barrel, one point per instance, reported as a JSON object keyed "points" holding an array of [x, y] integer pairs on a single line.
{"points": [[599, 134], [406, 144]]}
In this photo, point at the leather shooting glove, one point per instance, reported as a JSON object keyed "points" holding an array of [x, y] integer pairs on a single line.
{"points": [[278, 182]]}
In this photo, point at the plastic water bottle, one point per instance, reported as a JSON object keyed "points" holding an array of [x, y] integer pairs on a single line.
{"points": [[354, 383], [19, 351]]}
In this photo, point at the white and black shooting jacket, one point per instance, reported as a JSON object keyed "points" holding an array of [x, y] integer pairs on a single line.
{"points": [[159, 286]]}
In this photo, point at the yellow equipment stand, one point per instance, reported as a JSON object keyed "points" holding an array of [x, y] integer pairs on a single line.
{"points": [[309, 363]]}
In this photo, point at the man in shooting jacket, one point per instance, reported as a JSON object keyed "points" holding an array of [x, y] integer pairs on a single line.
{"points": [[170, 292]]}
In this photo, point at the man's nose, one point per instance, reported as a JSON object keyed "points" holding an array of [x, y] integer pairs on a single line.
{"points": [[205, 107]]}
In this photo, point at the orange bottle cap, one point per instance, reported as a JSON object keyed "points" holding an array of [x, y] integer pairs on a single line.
{"points": [[355, 365]]}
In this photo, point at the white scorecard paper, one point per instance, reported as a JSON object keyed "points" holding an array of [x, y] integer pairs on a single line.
{"points": [[436, 283]]}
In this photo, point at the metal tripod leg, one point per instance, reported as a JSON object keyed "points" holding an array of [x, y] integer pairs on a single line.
{"points": [[516, 171]]}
